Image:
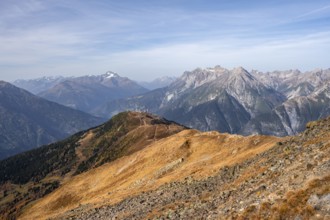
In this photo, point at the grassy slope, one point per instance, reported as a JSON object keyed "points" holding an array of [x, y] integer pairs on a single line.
{"points": [[40, 171], [189, 153], [203, 175]]}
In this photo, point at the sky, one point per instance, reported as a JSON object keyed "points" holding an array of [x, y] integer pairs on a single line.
{"points": [[145, 39]]}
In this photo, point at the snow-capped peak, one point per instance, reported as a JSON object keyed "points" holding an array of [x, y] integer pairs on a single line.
{"points": [[110, 74]]}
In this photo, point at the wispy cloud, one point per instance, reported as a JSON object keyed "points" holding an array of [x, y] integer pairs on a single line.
{"points": [[317, 11], [144, 38]]}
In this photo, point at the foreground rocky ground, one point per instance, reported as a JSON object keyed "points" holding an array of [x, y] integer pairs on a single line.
{"points": [[291, 180]]}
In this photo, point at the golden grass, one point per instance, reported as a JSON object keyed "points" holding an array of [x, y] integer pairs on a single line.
{"points": [[199, 154], [293, 204]]}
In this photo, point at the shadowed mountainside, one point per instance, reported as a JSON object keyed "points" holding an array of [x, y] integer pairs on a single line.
{"points": [[28, 121]]}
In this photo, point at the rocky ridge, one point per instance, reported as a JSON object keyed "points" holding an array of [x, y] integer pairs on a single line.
{"points": [[294, 83], [236, 101], [289, 181], [293, 114]]}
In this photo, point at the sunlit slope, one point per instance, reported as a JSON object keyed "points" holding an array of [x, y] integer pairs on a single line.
{"points": [[286, 180], [189, 153], [33, 174]]}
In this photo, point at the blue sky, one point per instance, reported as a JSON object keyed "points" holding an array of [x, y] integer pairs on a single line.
{"points": [[147, 39]]}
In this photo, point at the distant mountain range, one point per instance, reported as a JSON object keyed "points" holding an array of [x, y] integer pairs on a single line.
{"points": [[86, 93], [236, 101], [158, 82], [42, 84], [89, 92], [28, 121], [38, 85]]}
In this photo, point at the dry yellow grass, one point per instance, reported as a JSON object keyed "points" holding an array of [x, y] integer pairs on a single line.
{"points": [[188, 153]]}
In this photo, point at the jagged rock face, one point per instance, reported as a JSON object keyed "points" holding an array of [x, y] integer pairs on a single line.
{"points": [[28, 121], [292, 115], [88, 92], [236, 101], [201, 86], [294, 83]]}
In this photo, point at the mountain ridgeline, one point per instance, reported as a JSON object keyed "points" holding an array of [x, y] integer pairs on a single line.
{"points": [[28, 121], [38, 85], [276, 103], [141, 166], [86, 93], [45, 167], [158, 82], [236, 101]]}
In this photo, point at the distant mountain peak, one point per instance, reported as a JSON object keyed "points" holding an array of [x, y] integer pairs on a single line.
{"points": [[239, 69], [50, 78], [40, 84], [89, 92], [242, 73], [3, 82], [217, 69], [201, 76], [295, 71], [110, 74], [158, 82], [4, 85]]}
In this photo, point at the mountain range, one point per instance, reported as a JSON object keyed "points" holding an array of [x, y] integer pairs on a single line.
{"points": [[292, 115], [142, 166], [236, 101], [88, 92], [38, 85], [158, 82], [28, 121]]}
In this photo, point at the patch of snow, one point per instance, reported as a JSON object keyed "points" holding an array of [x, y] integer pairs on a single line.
{"points": [[169, 97], [211, 97], [110, 75]]}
